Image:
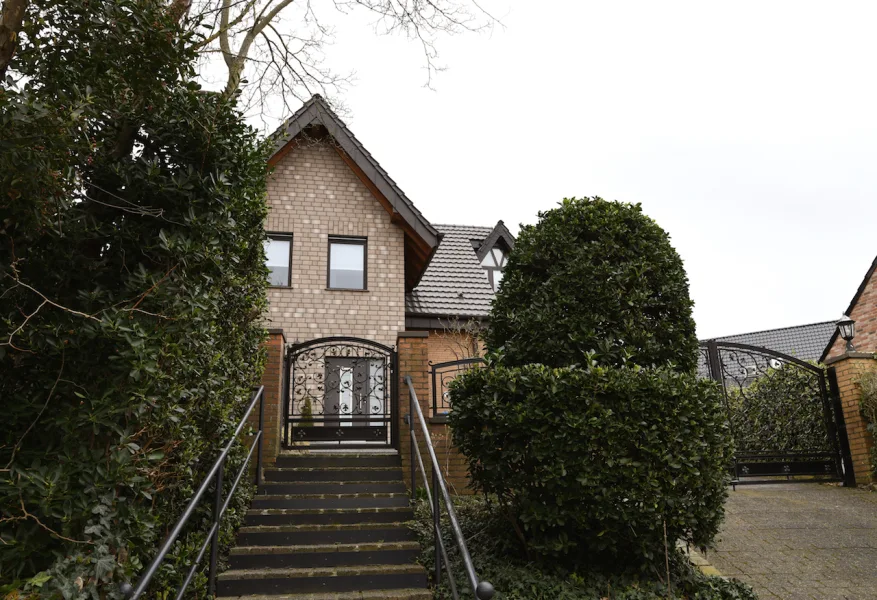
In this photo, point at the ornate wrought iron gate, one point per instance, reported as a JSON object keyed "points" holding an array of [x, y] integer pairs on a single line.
{"points": [[340, 391], [785, 423]]}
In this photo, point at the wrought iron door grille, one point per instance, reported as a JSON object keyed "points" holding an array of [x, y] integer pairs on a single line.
{"points": [[340, 391]]}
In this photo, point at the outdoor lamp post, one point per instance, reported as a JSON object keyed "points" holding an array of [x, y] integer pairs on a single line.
{"points": [[847, 329]]}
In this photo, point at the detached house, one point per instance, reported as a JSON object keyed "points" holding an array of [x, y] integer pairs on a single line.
{"points": [[364, 291], [358, 273]]}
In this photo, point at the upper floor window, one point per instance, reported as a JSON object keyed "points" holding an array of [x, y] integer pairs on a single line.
{"points": [[278, 259], [494, 262], [347, 263]]}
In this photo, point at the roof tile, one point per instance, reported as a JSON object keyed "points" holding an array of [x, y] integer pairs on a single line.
{"points": [[454, 284], [802, 341]]}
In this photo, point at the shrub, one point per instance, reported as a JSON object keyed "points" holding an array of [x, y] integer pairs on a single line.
{"points": [[593, 276], [780, 411], [591, 462], [868, 404], [132, 280], [497, 559]]}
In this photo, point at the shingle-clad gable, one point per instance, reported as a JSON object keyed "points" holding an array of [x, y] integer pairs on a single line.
{"points": [[454, 284]]}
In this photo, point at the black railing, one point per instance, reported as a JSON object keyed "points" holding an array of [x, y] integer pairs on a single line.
{"points": [[483, 590], [442, 375], [215, 476]]}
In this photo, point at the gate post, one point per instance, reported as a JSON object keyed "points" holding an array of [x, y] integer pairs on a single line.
{"points": [[844, 372], [273, 396], [715, 365], [413, 359], [842, 436]]}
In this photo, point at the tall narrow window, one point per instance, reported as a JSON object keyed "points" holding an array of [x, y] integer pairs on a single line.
{"points": [[278, 259], [494, 262], [347, 263]]}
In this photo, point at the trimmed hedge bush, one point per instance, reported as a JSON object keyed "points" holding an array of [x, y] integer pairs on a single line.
{"points": [[592, 462], [593, 278], [498, 559]]}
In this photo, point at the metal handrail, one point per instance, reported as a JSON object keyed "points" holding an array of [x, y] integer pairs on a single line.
{"points": [[483, 590], [219, 507]]}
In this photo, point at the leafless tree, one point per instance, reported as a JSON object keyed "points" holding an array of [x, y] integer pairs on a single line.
{"points": [[277, 46]]}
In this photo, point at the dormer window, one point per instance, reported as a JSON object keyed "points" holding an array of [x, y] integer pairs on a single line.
{"points": [[494, 262]]}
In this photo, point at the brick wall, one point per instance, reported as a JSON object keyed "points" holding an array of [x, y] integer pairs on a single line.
{"points": [[271, 379], [864, 313], [848, 370], [416, 349], [313, 194], [451, 345]]}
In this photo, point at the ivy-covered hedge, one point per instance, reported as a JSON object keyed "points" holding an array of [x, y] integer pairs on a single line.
{"points": [[593, 277], [592, 462], [132, 281]]}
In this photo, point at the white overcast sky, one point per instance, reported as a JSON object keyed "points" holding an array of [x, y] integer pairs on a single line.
{"points": [[745, 129]]}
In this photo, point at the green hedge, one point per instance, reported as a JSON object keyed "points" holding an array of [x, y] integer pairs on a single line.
{"points": [[132, 281], [591, 463], [781, 410], [593, 279], [498, 559]]}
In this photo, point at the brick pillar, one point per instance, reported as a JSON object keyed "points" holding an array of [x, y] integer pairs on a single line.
{"points": [[414, 361], [272, 380], [413, 348], [849, 367]]}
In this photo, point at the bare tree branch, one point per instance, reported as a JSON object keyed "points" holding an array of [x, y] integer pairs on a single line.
{"points": [[17, 446], [274, 49]]}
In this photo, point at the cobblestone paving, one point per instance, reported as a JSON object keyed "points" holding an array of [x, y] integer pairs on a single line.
{"points": [[798, 541]]}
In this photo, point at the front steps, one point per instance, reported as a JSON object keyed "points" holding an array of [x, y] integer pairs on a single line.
{"points": [[328, 526]]}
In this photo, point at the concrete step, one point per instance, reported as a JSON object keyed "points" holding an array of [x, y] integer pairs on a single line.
{"points": [[239, 582], [323, 555], [324, 474], [400, 594], [326, 516], [332, 487], [346, 459], [326, 501], [359, 533]]}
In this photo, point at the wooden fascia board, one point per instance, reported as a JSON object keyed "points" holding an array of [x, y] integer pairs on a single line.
{"points": [[280, 154], [420, 244]]}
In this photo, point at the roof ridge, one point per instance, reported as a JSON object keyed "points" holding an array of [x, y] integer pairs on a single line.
{"points": [[720, 337]]}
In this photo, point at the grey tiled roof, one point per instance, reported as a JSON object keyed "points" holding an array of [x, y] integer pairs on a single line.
{"points": [[803, 341], [454, 284]]}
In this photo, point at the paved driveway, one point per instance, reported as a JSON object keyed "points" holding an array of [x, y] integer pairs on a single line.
{"points": [[803, 540]]}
